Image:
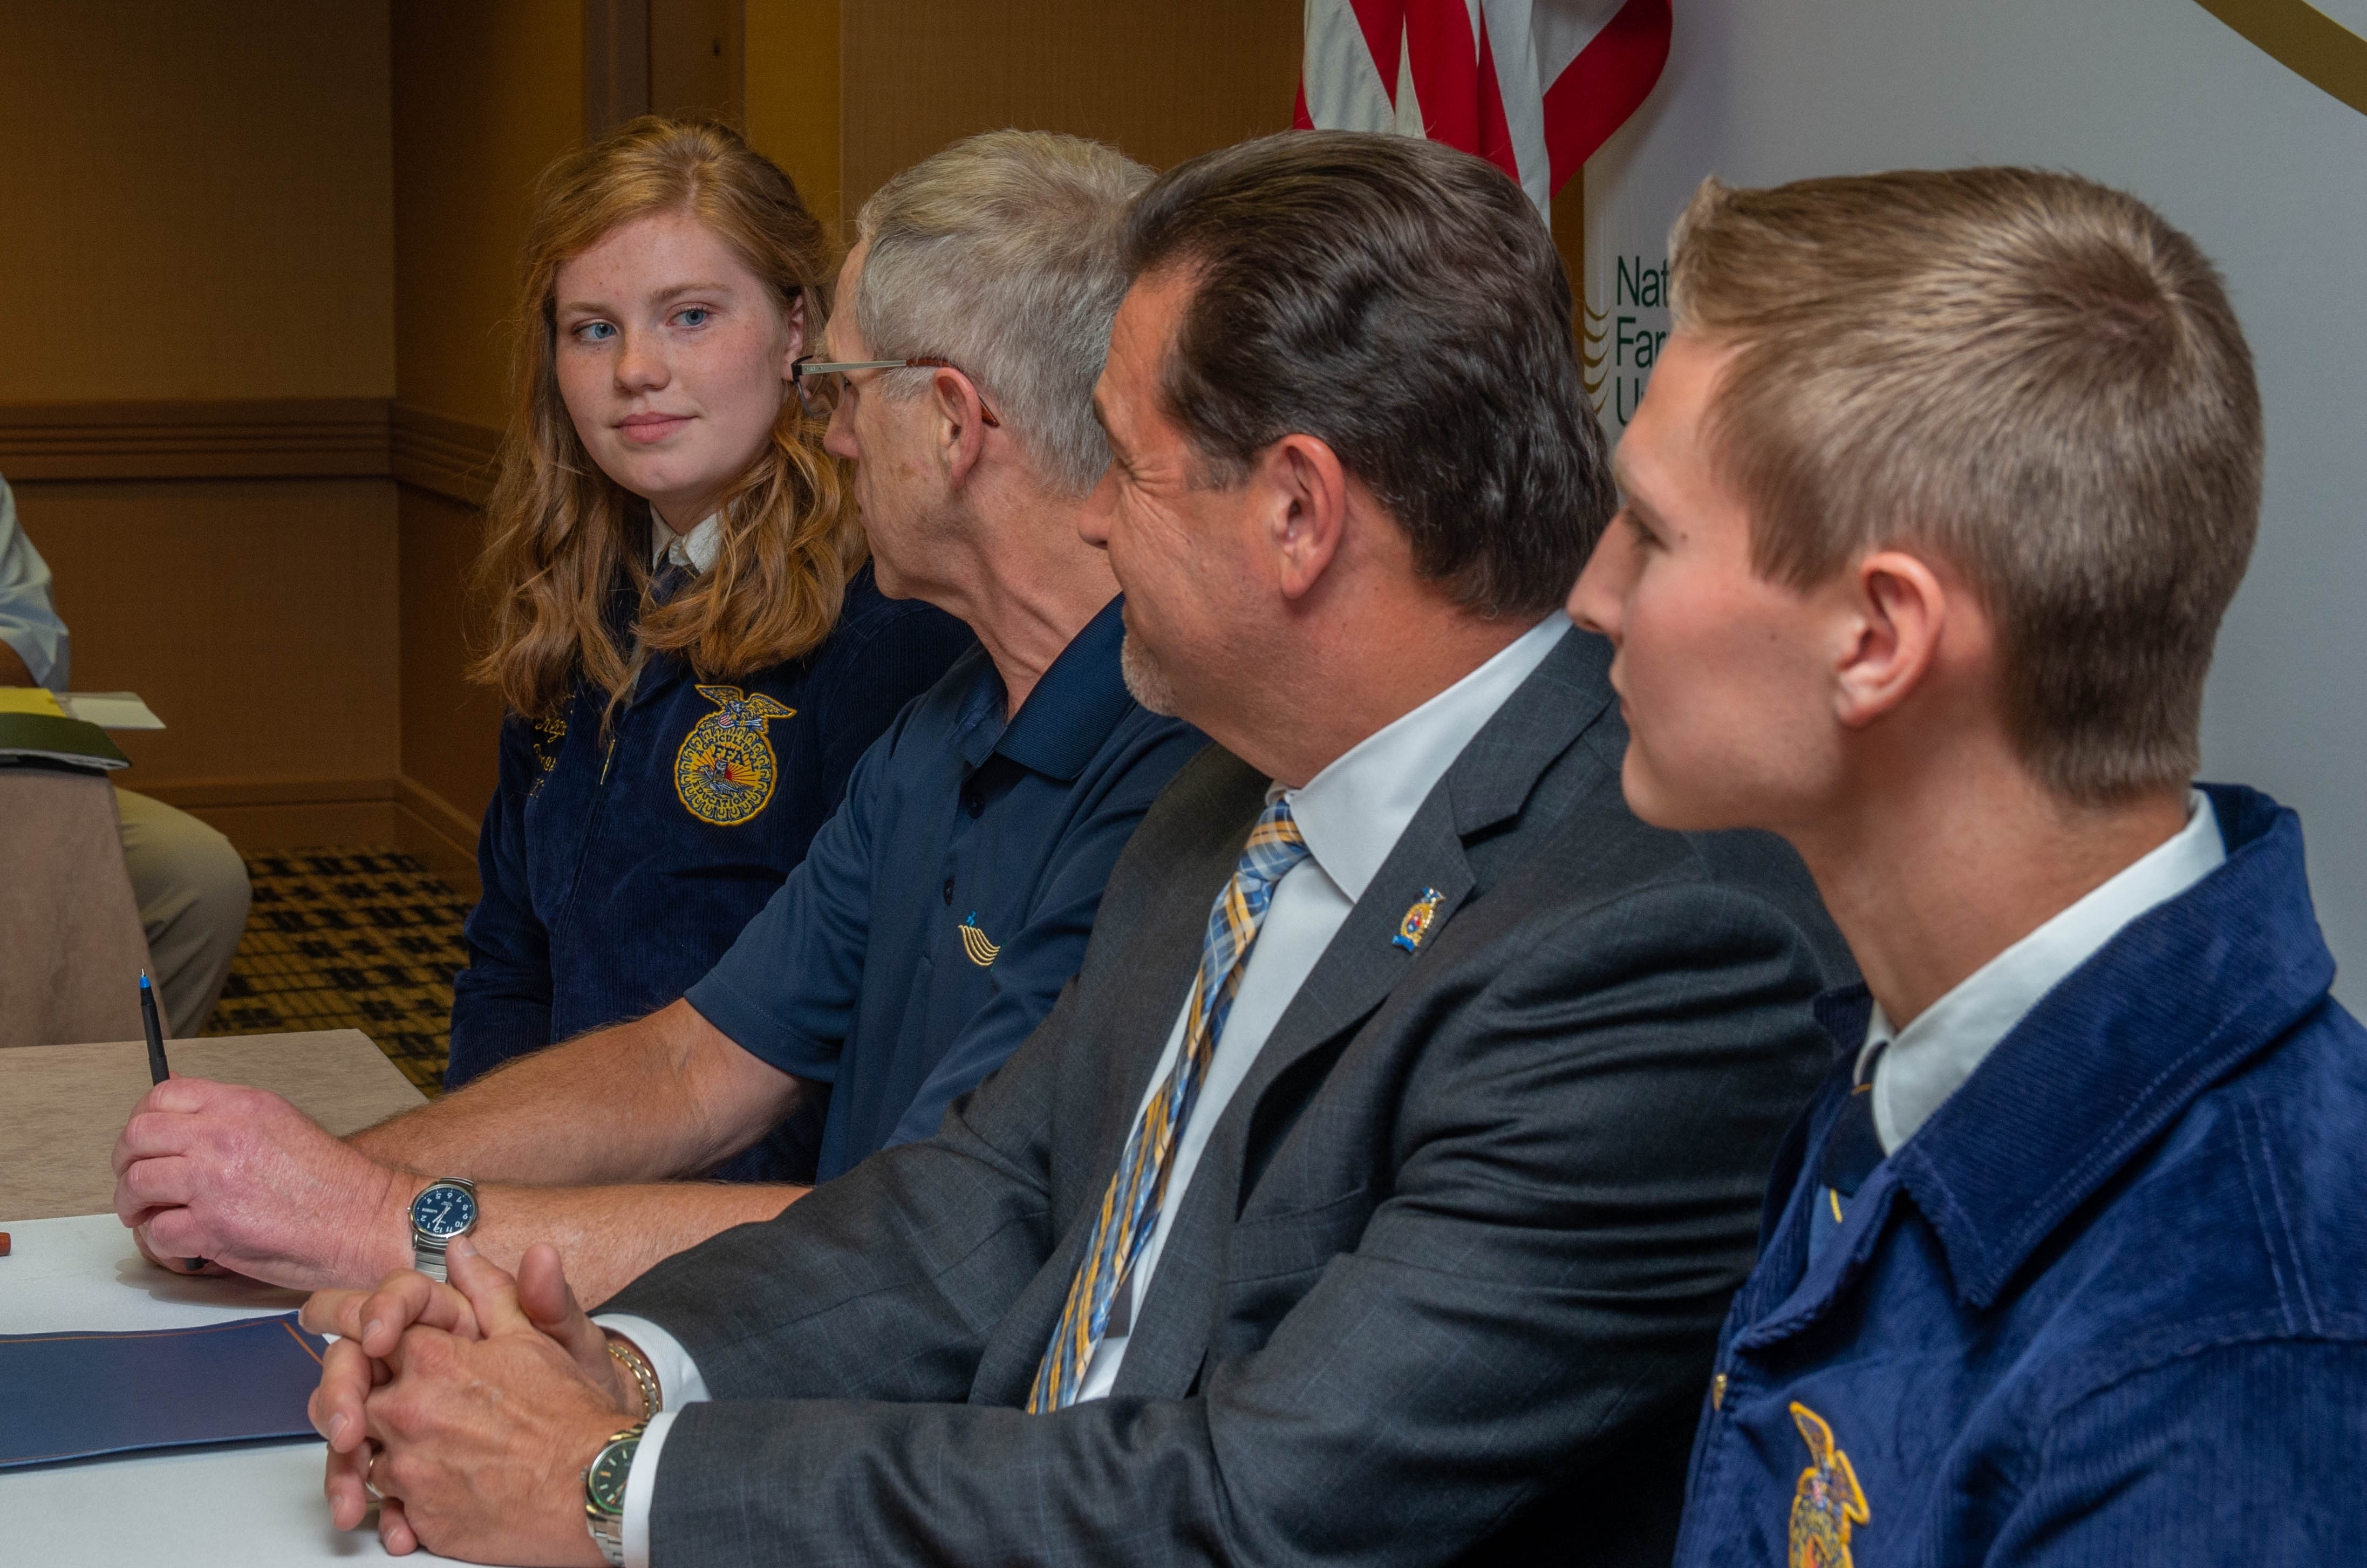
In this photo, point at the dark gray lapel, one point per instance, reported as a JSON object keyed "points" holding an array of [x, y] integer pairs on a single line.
{"points": [[1489, 784]]}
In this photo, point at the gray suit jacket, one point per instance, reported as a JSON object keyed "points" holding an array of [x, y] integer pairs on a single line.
{"points": [[1450, 1273]]}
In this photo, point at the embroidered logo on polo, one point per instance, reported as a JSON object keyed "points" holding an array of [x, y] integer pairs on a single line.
{"points": [[1827, 1501], [725, 771], [1416, 924], [974, 943]]}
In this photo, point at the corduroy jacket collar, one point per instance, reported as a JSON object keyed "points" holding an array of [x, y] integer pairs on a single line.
{"points": [[2179, 999]]}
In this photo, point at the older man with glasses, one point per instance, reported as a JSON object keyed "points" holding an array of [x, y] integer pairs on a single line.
{"points": [[939, 912]]}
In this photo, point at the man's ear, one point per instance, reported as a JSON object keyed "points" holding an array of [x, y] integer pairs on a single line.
{"points": [[1302, 492], [956, 417], [1899, 610]]}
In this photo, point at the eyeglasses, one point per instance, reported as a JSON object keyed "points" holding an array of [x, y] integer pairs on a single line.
{"points": [[818, 387]]}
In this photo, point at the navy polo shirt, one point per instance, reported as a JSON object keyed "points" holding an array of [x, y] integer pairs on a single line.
{"points": [[938, 915]]}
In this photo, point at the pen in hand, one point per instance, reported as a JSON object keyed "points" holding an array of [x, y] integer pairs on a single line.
{"points": [[158, 1068]]}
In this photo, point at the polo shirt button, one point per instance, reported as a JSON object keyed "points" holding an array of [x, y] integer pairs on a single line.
{"points": [[949, 890], [976, 805]]}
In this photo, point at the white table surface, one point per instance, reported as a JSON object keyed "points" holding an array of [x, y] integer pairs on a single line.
{"points": [[247, 1505]]}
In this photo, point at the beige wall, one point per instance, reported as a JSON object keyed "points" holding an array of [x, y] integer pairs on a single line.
{"points": [[258, 616], [791, 98], [195, 209], [1161, 81], [199, 215], [484, 96], [451, 725]]}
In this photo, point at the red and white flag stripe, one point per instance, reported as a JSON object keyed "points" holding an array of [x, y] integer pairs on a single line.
{"points": [[1534, 86]]}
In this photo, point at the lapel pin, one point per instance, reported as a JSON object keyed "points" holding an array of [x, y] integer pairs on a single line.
{"points": [[1416, 924]]}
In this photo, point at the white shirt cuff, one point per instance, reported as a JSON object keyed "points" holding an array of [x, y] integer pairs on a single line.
{"points": [[678, 1385]]}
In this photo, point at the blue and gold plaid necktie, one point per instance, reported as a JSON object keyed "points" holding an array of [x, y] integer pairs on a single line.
{"points": [[1130, 1209]]}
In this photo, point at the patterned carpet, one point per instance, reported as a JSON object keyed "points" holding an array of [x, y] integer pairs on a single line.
{"points": [[346, 938]]}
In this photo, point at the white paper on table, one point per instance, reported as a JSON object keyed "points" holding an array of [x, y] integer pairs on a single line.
{"points": [[234, 1506], [109, 710]]}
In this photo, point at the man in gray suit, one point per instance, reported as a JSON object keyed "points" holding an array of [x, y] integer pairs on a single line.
{"points": [[1375, 1192]]}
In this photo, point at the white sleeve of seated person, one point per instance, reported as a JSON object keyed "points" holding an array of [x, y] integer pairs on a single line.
{"points": [[29, 617], [678, 1385]]}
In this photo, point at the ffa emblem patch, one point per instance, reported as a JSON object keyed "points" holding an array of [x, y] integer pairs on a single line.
{"points": [[1416, 924], [724, 771], [974, 943], [1827, 1501]]}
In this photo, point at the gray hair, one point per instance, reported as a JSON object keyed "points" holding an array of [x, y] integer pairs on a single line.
{"points": [[1001, 253]]}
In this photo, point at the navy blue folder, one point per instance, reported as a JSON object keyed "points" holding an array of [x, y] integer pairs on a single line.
{"points": [[66, 1396]]}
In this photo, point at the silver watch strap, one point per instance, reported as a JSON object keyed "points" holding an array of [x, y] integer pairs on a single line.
{"points": [[610, 1540], [427, 1252]]}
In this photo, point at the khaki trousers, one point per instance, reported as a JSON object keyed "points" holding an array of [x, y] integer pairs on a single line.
{"points": [[192, 891]]}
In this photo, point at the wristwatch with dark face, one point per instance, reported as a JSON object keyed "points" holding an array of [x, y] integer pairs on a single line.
{"points": [[446, 1209], [604, 1492]]}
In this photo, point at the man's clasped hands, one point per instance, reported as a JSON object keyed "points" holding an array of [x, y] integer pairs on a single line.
{"points": [[470, 1408]]}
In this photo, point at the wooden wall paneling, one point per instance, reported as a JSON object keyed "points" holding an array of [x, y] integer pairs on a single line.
{"points": [[616, 64], [485, 96], [791, 96], [451, 727], [696, 51], [450, 457], [257, 827], [259, 814], [198, 200], [193, 438], [258, 616], [1161, 82]]}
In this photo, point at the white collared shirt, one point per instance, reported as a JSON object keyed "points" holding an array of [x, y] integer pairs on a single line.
{"points": [[695, 549], [1921, 1066], [1351, 815]]}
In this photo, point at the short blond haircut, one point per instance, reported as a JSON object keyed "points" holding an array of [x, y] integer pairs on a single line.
{"points": [[2026, 374]]}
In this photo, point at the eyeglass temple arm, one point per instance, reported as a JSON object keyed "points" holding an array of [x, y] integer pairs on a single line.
{"points": [[802, 368]]}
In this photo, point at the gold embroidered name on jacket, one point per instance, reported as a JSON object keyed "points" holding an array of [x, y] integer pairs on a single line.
{"points": [[725, 771]]}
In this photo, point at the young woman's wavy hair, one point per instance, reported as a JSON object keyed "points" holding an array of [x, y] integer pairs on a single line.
{"points": [[564, 541]]}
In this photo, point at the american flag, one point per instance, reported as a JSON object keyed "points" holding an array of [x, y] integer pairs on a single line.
{"points": [[1534, 86]]}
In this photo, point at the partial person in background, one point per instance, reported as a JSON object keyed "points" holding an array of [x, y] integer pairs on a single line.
{"points": [[938, 914], [691, 645], [189, 883], [1932, 510]]}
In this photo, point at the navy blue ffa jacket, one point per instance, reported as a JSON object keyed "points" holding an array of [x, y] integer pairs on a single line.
{"points": [[2107, 1305], [619, 868]]}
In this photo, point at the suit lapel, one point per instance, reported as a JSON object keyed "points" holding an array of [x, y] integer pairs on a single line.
{"points": [[1489, 784], [1486, 785]]}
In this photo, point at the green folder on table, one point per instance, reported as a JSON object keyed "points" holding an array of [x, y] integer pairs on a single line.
{"points": [[67, 1396], [34, 727]]}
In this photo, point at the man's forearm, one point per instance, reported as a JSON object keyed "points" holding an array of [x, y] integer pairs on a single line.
{"points": [[608, 1236], [660, 1097]]}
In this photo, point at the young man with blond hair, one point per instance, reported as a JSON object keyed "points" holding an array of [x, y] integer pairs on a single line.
{"points": [[1932, 510]]}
